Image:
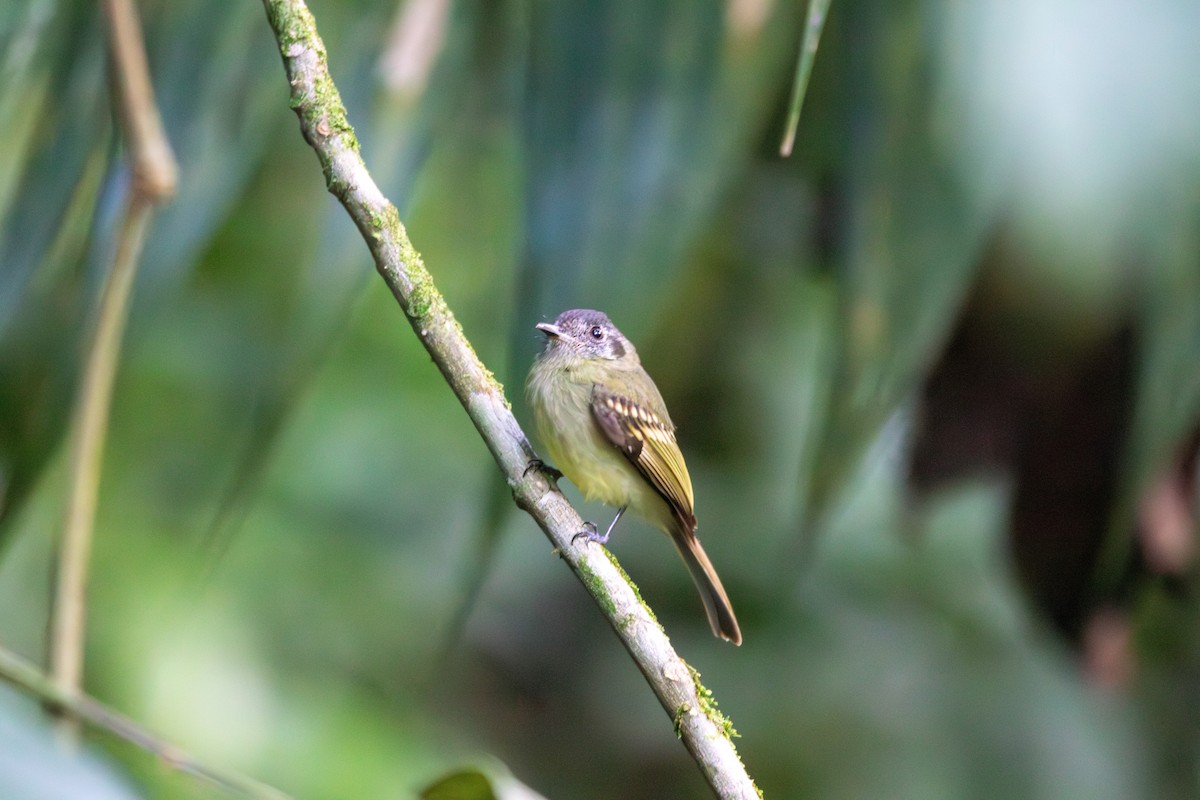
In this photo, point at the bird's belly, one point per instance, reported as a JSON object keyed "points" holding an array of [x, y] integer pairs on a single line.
{"points": [[581, 452], [596, 467]]}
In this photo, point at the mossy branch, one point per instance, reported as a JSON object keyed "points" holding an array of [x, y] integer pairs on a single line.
{"points": [[316, 101]]}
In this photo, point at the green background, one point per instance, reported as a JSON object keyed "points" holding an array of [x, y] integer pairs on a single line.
{"points": [[308, 568]]}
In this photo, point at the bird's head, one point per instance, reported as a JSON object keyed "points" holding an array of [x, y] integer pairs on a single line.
{"points": [[584, 333]]}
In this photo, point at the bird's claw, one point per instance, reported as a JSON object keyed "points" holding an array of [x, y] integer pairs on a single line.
{"points": [[590, 533], [547, 470]]}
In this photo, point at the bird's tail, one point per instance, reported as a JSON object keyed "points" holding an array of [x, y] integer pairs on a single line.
{"points": [[716, 602]]}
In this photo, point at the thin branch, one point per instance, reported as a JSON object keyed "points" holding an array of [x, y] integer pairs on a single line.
{"points": [[815, 22], [26, 676], [315, 98], [88, 427], [154, 170], [154, 173]]}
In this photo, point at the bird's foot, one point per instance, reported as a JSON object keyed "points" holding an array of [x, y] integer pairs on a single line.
{"points": [[590, 533], [547, 470]]}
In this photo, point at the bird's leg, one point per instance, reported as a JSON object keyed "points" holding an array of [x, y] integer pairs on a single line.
{"points": [[611, 525], [549, 471], [589, 531]]}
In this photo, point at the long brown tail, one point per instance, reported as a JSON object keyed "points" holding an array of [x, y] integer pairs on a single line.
{"points": [[716, 602]]}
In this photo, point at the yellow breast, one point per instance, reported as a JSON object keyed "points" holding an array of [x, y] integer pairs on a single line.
{"points": [[577, 447]]}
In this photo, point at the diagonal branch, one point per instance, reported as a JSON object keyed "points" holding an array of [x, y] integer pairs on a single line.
{"points": [[316, 101]]}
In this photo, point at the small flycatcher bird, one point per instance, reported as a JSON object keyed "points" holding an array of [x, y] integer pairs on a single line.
{"points": [[606, 427]]}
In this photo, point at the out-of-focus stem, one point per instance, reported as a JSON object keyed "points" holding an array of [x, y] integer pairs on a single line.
{"points": [[89, 424], [154, 179]]}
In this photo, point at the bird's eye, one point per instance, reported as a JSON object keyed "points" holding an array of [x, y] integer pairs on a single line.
{"points": [[597, 332]]}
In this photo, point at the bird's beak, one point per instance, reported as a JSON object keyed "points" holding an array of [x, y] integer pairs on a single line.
{"points": [[549, 328]]}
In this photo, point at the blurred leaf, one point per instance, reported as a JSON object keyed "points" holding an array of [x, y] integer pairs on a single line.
{"points": [[67, 214], [53, 73], [216, 83], [466, 785], [913, 234], [1167, 394], [814, 22], [917, 671], [475, 784], [216, 80], [635, 119]]}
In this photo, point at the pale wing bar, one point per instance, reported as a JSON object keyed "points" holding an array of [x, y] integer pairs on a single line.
{"points": [[649, 443]]}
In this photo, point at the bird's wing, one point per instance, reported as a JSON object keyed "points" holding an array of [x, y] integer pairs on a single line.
{"points": [[648, 441]]}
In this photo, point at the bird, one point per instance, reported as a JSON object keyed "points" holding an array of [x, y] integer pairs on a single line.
{"points": [[605, 426]]}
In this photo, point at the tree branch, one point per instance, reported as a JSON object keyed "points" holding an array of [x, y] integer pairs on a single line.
{"points": [[24, 675], [316, 101]]}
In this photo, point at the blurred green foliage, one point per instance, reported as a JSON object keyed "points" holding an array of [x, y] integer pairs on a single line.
{"points": [[294, 508]]}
